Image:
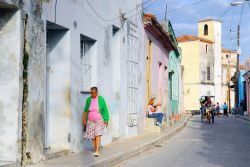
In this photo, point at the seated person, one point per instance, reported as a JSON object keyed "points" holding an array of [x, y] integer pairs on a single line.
{"points": [[153, 113]]}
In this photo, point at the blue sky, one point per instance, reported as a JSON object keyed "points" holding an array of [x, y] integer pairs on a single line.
{"points": [[185, 20]]}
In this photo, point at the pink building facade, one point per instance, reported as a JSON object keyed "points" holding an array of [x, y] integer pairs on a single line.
{"points": [[158, 46], [247, 79]]}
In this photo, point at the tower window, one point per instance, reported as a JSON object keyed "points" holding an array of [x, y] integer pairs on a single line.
{"points": [[208, 74], [205, 29], [206, 48]]}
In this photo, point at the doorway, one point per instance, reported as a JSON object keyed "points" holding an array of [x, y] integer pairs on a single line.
{"points": [[57, 123], [148, 71]]}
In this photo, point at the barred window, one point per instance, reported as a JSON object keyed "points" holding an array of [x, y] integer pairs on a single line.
{"points": [[86, 45], [132, 73]]}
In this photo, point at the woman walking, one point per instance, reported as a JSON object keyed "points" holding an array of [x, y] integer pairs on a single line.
{"points": [[95, 117], [225, 108]]}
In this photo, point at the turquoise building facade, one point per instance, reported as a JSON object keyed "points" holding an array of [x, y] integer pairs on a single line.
{"points": [[175, 75]]}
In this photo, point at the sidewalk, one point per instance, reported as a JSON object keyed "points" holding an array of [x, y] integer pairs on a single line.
{"points": [[118, 151], [246, 118]]}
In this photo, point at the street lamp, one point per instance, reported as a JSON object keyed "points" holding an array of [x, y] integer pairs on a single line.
{"points": [[236, 3]]}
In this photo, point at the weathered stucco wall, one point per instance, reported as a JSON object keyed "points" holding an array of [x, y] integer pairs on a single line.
{"points": [[10, 50], [109, 73], [33, 133], [190, 60], [108, 63], [175, 87]]}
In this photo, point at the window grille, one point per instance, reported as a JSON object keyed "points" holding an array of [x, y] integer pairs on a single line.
{"points": [[86, 65], [132, 76]]}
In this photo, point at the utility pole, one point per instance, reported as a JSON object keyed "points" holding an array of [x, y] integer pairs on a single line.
{"points": [[229, 86], [237, 68], [166, 10]]}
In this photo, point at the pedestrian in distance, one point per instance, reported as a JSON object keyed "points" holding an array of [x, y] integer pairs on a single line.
{"points": [[153, 111], [213, 111], [95, 118], [217, 109], [225, 108]]}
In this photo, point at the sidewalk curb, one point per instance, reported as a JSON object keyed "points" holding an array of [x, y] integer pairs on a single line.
{"points": [[121, 156], [242, 118]]}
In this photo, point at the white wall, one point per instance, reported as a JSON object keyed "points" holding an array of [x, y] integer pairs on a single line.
{"points": [[58, 89], [217, 60], [10, 61], [109, 70]]}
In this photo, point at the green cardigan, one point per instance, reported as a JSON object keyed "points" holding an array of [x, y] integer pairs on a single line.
{"points": [[102, 108]]}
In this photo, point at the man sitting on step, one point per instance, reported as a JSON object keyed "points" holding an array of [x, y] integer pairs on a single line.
{"points": [[153, 111]]}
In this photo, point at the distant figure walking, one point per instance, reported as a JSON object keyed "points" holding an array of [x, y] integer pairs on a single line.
{"points": [[225, 108], [217, 109], [213, 111], [95, 117]]}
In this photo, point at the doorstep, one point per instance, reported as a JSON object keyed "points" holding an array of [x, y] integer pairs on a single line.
{"points": [[55, 153], [7, 164]]}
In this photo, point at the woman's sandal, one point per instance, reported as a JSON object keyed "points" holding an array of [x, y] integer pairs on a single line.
{"points": [[96, 154]]}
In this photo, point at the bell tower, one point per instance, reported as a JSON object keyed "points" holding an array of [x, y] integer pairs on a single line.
{"points": [[211, 29]]}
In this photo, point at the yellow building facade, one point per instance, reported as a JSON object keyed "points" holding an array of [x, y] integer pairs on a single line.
{"points": [[197, 81], [204, 64]]}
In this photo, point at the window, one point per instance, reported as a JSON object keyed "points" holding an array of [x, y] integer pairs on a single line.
{"points": [[206, 48], [86, 45], [205, 29], [208, 74]]}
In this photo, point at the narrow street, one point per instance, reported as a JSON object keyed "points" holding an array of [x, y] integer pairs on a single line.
{"points": [[223, 144]]}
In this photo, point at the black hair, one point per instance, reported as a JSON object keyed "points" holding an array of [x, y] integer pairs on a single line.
{"points": [[94, 88]]}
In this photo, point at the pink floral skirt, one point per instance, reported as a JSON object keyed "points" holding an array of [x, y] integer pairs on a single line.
{"points": [[94, 128]]}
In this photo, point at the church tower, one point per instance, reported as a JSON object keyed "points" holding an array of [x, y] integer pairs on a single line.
{"points": [[211, 29]]}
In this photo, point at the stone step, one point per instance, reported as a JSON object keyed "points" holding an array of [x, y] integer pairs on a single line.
{"points": [[55, 153], [151, 126], [7, 164]]}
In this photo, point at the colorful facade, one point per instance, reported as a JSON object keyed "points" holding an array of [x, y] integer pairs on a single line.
{"points": [[241, 81], [247, 90], [158, 47], [174, 80]]}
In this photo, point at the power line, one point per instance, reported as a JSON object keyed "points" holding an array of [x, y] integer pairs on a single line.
{"points": [[147, 7], [186, 6], [97, 14], [241, 13], [183, 7], [225, 12], [113, 19]]}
